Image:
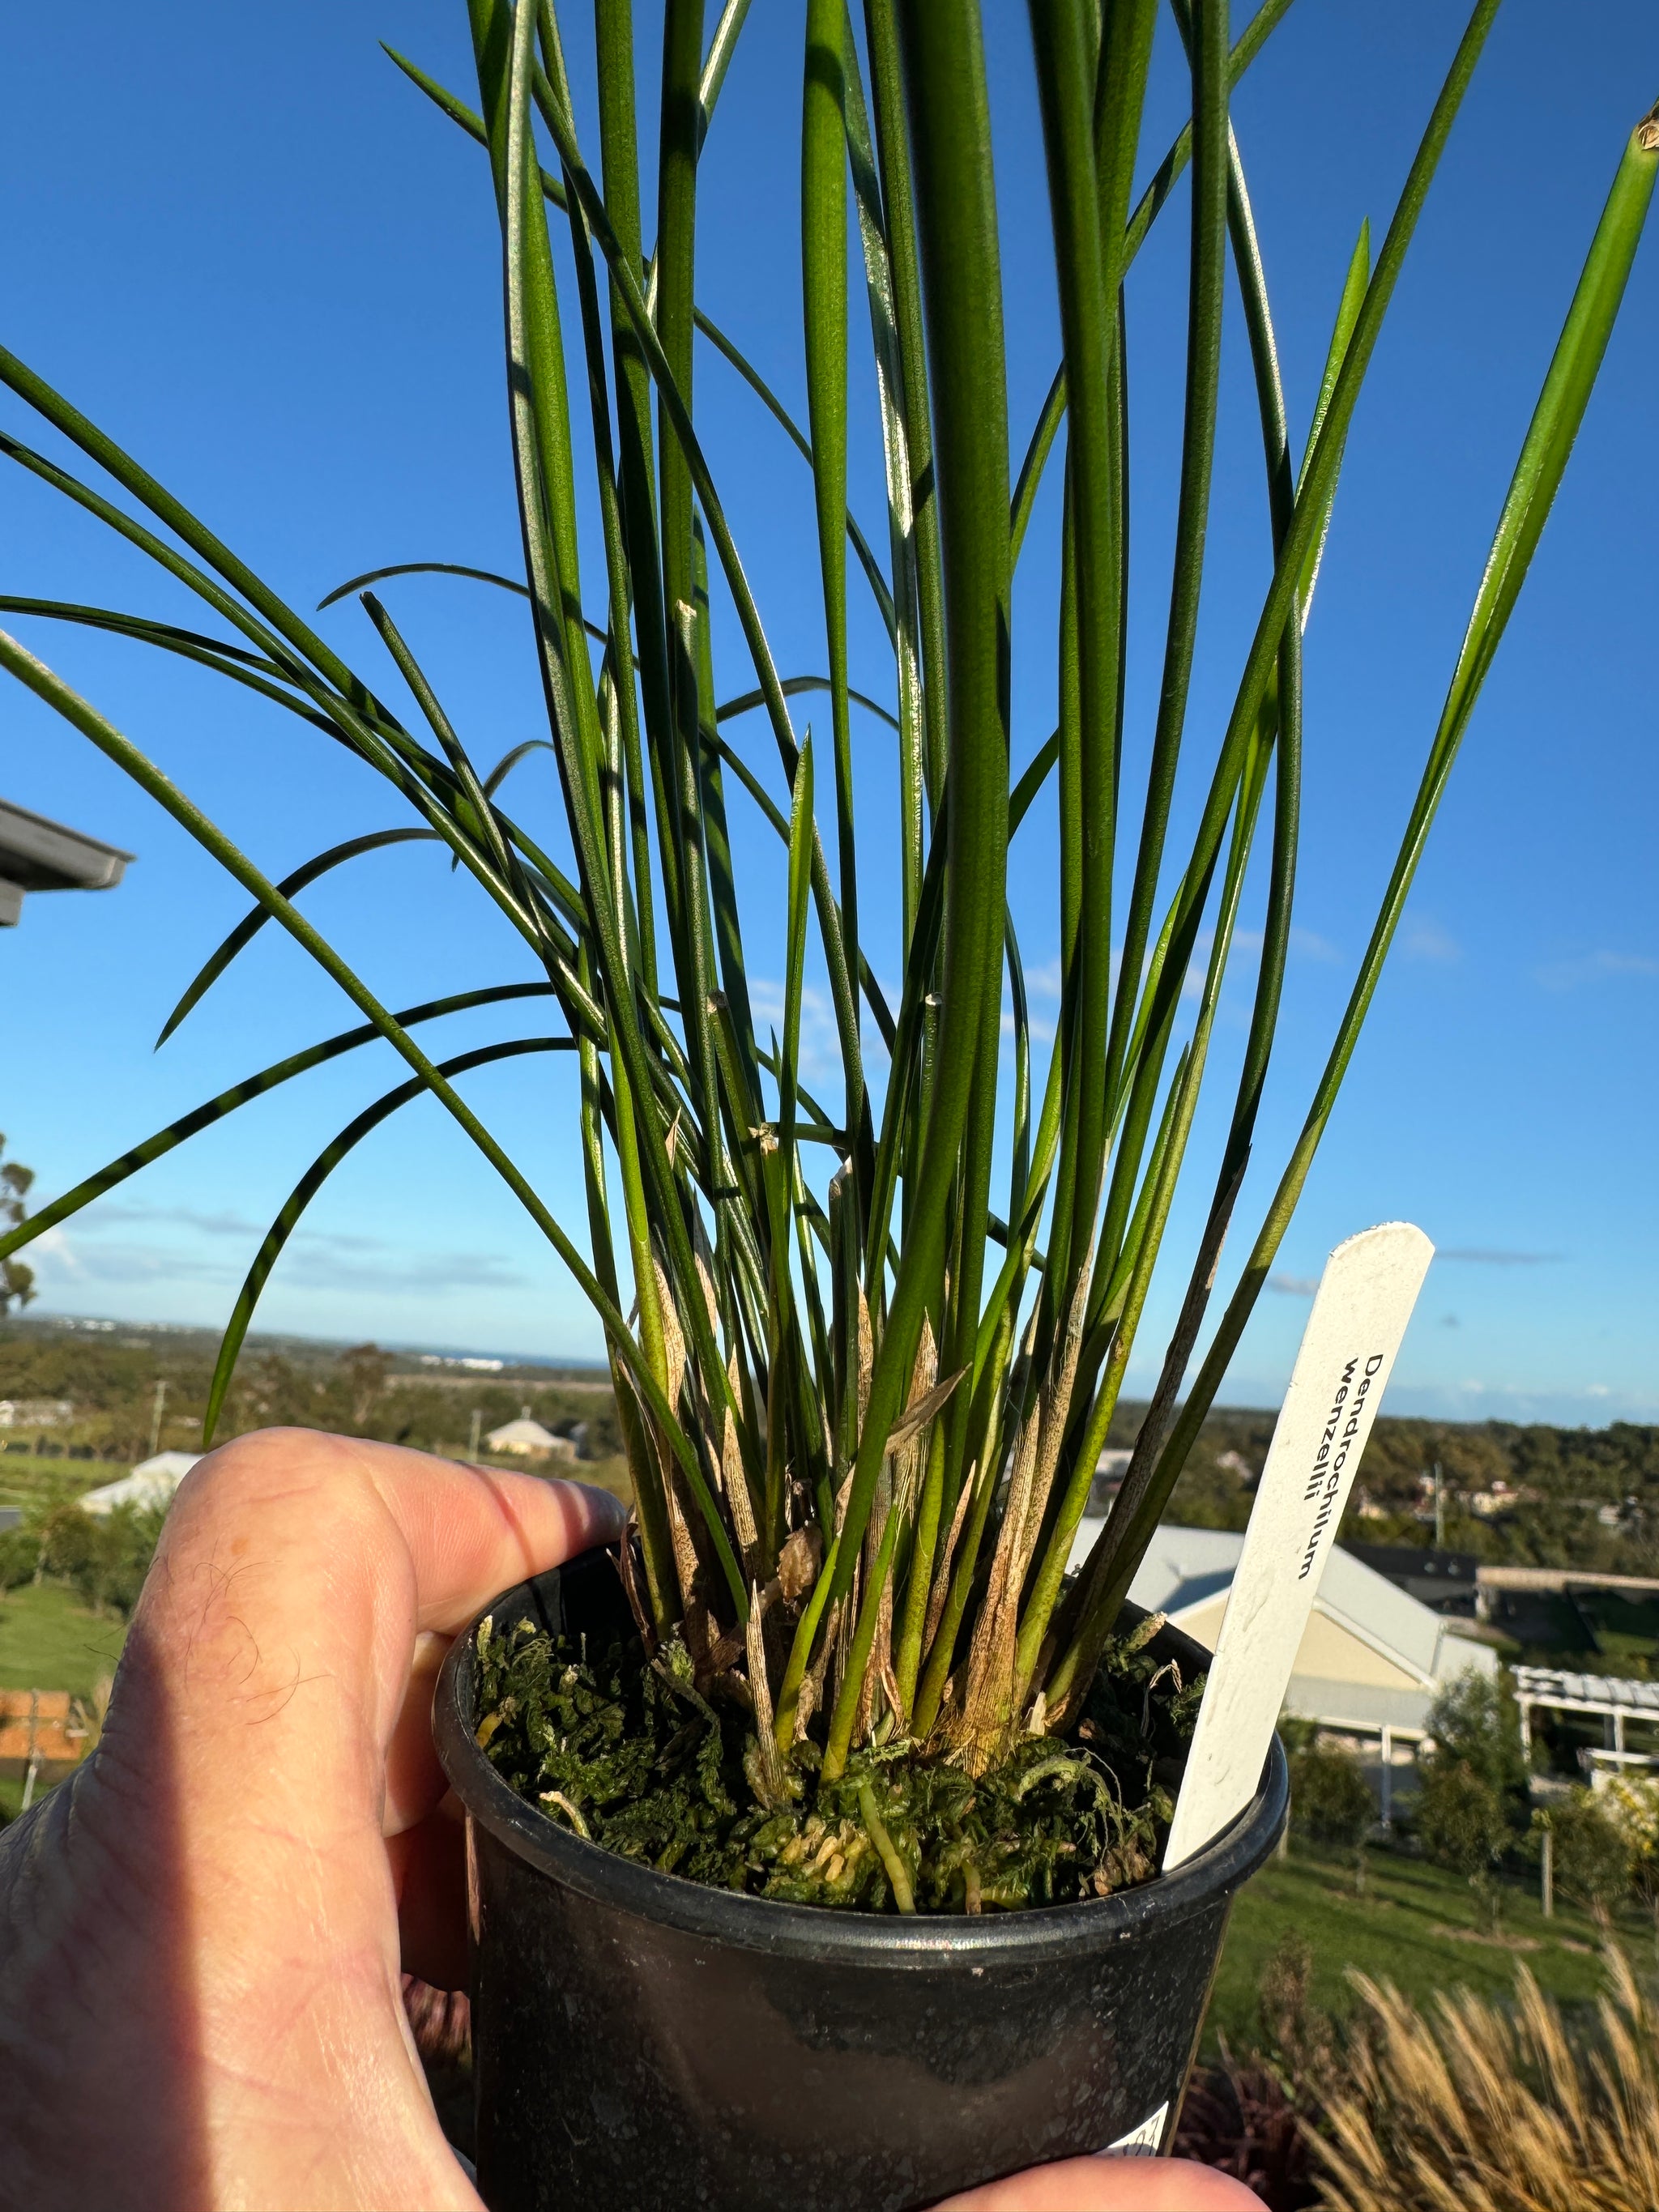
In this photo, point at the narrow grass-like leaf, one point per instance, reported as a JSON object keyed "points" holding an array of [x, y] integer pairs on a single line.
{"points": [[294, 1207], [253, 922]]}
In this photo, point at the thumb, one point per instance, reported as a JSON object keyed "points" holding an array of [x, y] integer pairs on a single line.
{"points": [[266, 1736]]}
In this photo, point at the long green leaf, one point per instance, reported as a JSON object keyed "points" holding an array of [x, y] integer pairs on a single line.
{"points": [[294, 1207]]}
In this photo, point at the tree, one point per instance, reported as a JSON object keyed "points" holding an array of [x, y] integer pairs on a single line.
{"points": [[1632, 1805], [1592, 1856], [1463, 1825], [365, 1368], [1475, 1724], [17, 1281], [1331, 1802], [104, 1557]]}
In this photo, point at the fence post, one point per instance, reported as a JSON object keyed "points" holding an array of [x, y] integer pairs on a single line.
{"points": [[1386, 1805], [34, 1771], [1546, 1868]]}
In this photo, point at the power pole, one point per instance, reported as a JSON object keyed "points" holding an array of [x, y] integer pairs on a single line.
{"points": [[155, 1420], [472, 1438], [1439, 1509]]}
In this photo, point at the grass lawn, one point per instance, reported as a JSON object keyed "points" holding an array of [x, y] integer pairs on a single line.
{"points": [[49, 1641], [1406, 1930]]}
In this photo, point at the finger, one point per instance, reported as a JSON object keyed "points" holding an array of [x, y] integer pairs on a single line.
{"points": [[472, 1531], [429, 1872], [288, 1550], [1111, 2184]]}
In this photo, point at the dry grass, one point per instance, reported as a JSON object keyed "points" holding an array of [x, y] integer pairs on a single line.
{"points": [[1477, 2109]]}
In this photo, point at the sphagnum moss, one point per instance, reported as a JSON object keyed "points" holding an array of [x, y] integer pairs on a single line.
{"points": [[877, 1335], [627, 1751]]}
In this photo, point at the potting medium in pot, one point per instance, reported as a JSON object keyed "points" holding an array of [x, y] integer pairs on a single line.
{"points": [[639, 2039]]}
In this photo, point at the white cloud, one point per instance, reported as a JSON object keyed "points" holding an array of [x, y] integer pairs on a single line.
{"points": [[1594, 967], [1308, 943], [311, 1260], [820, 1042], [1426, 940], [209, 1224], [1485, 1255], [1294, 1286]]}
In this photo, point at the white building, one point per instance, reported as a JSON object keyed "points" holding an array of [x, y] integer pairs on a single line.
{"points": [[150, 1487], [34, 1413], [528, 1439], [1372, 1660]]}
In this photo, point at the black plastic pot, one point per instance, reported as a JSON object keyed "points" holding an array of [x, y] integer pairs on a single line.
{"points": [[640, 2040]]}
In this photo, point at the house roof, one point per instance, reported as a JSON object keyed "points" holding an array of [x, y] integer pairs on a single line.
{"points": [[529, 1435], [1186, 1568], [38, 855], [150, 1487]]}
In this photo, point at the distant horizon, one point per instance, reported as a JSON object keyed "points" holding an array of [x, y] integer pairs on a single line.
{"points": [[1479, 1404], [456, 1354]]}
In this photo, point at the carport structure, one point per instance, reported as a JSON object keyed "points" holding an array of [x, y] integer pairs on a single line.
{"points": [[1614, 1700]]}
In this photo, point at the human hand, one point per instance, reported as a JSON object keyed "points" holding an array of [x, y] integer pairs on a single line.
{"points": [[202, 1933], [1111, 2184]]}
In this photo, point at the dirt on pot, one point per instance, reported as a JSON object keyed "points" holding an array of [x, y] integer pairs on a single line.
{"points": [[627, 1750]]}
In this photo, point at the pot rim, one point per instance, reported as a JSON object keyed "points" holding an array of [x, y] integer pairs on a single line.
{"points": [[803, 1931]]}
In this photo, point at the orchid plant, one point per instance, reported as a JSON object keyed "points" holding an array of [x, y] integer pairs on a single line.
{"points": [[866, 1345]]}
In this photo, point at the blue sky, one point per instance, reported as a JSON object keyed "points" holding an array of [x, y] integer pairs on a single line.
{"points": [[266, 266]]}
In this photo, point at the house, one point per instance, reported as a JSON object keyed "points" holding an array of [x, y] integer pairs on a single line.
{"points": [[1110, 1470], [528, 1440], [150, 1487], [39, 855], [34, 1413], [1373, 1659], [1446, 1581]]}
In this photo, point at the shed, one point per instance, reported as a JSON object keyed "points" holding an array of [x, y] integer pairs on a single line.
{"points": [[150, 1487], [528, 1439]]}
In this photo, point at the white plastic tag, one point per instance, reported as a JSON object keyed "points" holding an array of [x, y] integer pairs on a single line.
{"points": [[1364, 1300], [1142, 2141]]}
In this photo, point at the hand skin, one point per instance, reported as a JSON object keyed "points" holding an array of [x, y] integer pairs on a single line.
{"points": [[202, 1932]]}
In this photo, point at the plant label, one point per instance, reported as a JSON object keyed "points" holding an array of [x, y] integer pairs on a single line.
{"points": [[1359, 1314], [1141, 2142]]}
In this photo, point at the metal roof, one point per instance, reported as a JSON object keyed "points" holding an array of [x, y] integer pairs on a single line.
{"points": [[40, 855], [1593, 1693], [1185, 1568]]}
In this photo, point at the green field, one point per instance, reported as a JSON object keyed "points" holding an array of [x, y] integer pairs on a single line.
{"points": [[26, 1480], [49, 1641], [1418, 1926]]}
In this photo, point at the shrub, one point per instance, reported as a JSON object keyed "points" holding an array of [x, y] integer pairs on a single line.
{"points": [[1475, 1724], [104, 1558], [1463, 1825], [1331, 1800], [19, 1551], [1250, 2118], [1633, 1806], [1592, 1856]]}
